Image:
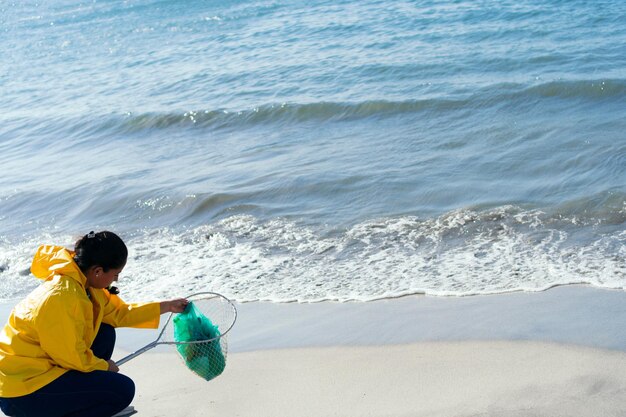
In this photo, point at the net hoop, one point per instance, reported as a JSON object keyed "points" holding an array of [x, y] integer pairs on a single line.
{"points": [[230, 310]]}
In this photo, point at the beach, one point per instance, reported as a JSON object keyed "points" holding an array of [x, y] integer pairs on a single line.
{"points": [[557, 353], [419, 207]]}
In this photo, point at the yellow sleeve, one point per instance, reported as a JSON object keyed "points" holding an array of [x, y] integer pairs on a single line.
{"points": [[140, 315], [61, 325]]}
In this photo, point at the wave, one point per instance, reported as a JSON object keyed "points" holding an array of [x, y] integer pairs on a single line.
{"points": [[507, 94], [459, 253], [346, 111], [152, 207], [323, 111], [583, 89]]}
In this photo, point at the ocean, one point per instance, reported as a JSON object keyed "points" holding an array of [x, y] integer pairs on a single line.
{"points": [[293, 151]]}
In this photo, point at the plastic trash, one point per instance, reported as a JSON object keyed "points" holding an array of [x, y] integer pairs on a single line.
{"points": [[205, 356]]}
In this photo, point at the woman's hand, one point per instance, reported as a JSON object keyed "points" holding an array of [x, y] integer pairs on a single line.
{"points": [[112, 366], [174, 306]]}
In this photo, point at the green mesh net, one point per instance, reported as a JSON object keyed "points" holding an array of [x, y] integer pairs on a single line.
{"points": [[201, 348]]}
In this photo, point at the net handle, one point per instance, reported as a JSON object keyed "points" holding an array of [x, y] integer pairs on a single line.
{"points": [[169, 318], [148, 346]]}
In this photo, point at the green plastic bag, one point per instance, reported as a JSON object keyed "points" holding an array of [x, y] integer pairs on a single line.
{"points": [[205, 359]]}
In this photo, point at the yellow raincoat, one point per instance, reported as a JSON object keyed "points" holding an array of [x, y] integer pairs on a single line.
{"points": [[52, 330]]}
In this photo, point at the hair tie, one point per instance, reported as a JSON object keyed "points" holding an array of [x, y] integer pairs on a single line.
{"points": [[91, 235]]}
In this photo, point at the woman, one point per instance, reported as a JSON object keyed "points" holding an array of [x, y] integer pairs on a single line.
{"points": [[55, 350]]}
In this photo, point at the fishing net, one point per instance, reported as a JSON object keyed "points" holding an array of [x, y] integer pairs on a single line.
{"points": [[200, 333]]}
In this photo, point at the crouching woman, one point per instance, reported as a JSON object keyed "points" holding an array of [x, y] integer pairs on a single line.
{"points": [[55, 350]]}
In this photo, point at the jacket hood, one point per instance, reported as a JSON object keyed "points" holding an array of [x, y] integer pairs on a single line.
{"points": [[53, 260]]}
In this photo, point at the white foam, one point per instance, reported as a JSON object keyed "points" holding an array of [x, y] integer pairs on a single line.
{"points": [[280, 261], [460, 253]]}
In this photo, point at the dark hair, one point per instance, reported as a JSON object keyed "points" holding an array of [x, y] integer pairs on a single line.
{"points": [[105, 249]]}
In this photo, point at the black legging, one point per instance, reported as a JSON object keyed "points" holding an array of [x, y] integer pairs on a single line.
{"points": [[78, 394]]}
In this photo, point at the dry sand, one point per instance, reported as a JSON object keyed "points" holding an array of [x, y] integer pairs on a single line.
{"points": [[424, 379], [557, 353]]}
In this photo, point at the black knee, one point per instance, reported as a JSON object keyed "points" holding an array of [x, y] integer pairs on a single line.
{"points": [[104, 343], [126, 389], [124, 393]]}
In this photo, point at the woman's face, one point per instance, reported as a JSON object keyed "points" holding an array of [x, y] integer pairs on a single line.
{"points": [[97, 278]]}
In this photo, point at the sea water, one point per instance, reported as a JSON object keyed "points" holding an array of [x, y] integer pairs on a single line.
{"points": [[307, 151]]}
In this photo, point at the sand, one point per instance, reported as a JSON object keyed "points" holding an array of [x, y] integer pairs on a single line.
{"points": [[423, 379], [557, 353]]}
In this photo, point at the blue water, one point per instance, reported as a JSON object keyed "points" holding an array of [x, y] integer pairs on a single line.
{"points": [[277, 150]]}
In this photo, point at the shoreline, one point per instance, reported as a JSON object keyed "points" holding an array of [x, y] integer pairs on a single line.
{"points": [[575, 314], [572, 314]]}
